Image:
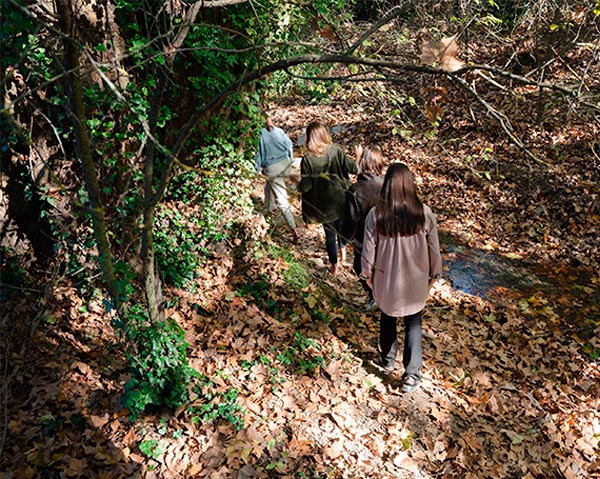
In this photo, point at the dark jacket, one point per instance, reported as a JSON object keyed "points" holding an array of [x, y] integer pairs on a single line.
{"points": [[360, 198], [324, 182]]}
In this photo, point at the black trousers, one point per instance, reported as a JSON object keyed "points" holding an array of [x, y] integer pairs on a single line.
{"points": [[333, 239], [412, 356], [358, 269]]}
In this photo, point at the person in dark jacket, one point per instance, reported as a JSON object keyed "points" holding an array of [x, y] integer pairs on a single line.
{"points": [[360, 198], [325, 170]]}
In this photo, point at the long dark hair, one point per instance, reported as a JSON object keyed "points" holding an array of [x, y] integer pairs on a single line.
{"points": [[399, 211]]}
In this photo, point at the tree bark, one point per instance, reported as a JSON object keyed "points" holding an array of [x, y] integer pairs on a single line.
{"points": [[151, 277], [25, 210], [84, 148]]}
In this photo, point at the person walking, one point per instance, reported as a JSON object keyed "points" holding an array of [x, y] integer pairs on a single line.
{"points": [[400, 261], [274, 158], [360, 198], [324, 172]]}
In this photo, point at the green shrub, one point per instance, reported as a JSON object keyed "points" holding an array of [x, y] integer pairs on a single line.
{"points": [[216, 404], [216, 199], [160, 373], [177, 247], [301, 355]]}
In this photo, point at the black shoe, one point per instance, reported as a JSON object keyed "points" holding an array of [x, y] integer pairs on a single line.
{"points": [[409, 384]]}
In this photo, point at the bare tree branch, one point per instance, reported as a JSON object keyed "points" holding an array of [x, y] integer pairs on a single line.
{"points": [[220, 3], [395, 12], [189, 19], [499, 116], [376, 63]]}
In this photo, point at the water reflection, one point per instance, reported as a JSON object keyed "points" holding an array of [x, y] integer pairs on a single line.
{"points": [[566, 293], [481, 273]]}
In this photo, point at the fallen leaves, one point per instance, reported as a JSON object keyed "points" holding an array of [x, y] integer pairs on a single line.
{"points": [[442, 52], [505, 392]]}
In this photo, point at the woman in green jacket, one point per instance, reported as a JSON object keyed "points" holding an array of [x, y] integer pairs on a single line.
{"points": [[325, 170]]}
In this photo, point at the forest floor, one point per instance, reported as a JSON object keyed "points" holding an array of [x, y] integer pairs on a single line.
{"points": [[511, 383]]}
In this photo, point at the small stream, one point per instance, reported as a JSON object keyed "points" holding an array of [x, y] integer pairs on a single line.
{"points": [[568, 291], [483, 274]]}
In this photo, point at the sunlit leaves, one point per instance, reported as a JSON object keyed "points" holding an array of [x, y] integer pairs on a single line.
{"points": [[443, 53], [152, 448]]}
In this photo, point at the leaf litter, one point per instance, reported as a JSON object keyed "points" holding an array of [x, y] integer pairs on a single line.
{"points": [[510, 380]]}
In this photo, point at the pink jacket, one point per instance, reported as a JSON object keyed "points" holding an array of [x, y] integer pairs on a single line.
{"points": [[401, 266]]}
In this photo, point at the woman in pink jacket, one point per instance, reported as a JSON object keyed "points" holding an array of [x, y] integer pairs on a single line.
{"points": [[400, 261]]}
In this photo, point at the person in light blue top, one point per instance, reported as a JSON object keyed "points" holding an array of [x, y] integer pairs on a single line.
{"points": [[274, 158]]}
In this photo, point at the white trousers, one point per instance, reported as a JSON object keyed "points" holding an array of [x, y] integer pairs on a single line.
{"points": [[276, 190]]}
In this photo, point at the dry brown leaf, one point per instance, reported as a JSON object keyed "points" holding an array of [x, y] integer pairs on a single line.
{"points": [[75, 467], [137, 458], [126, 452], [214, 457], [376, 444], [82, 367], [433, 112], [335, 450], [298, 448], [328, 32], [194, 470], [443, 53], [439, 452], [173, 459], [333, 370], [251, 406], [245, 472], [98, 422], [129, 438]]}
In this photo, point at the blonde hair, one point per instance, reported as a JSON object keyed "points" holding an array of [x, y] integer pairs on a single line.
{"points": [[318, 138], [371, 160]]}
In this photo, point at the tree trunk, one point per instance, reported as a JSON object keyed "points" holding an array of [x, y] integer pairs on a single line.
{"points": [[26, 210], [151, 277], [84, 148]]}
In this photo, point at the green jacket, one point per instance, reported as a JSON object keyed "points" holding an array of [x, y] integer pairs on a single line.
{"points": [[324, 182]]}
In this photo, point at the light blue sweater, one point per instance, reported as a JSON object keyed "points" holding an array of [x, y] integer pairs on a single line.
{"points": [[274, 147]]}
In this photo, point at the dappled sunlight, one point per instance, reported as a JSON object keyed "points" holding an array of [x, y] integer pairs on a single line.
{"points": [[291, 383], [287, 377]]}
